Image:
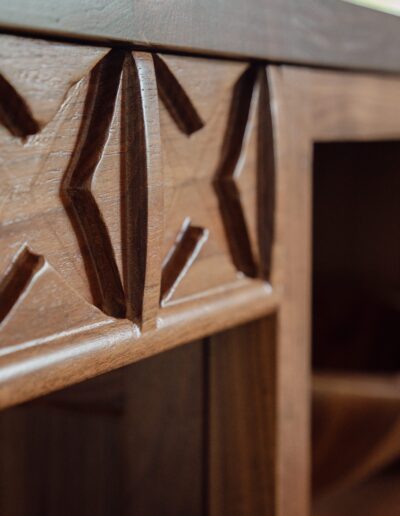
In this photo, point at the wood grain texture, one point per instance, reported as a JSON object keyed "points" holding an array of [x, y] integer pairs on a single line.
{"points": [[324, 32], [242, 431], [41, 74], [142, 190], [134, 213], [163, 200], [163, 434], [63, 453], [226, 100], [126, 443]]}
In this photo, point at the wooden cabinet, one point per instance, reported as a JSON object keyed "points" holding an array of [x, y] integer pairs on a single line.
{"points": [[153, 197]]}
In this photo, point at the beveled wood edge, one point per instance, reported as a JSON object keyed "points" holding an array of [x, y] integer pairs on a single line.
{"points": [[325, 33], [74, 357]]}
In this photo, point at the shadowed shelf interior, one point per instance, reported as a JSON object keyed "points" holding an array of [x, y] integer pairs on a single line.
{"points": [[356, 356]]}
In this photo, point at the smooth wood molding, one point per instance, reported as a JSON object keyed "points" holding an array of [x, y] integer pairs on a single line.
{"points": [[76, 356], [325, 32]]}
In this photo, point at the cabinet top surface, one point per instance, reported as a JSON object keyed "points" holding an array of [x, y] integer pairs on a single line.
{"points": [[318, 32]]}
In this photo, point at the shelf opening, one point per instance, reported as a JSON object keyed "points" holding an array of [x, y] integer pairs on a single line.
{"points": [[355, 321]]}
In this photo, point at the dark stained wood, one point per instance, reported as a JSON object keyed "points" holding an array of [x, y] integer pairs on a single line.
{"points": [[141, 196], [77, 356], [129, 443], [225, 184], [292, 246], [378, 496], [327, 32], [175, 99], [189, 185], [242, 424], [163, 434], [356, 256], [359, 415], [63, 453], [75, 189], [188, 245], [356, 331]]}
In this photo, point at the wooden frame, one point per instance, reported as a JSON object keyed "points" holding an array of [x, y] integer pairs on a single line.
{"points": [[311, 106], [307, 106], [118, 220], [323, 33]]}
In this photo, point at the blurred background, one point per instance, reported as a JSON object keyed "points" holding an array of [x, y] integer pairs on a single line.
{"points": [[390, 6]]}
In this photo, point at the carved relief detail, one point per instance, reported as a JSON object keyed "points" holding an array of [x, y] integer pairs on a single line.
{"points": [[17, 279], [225, 183], [187, 246], [75, 191], [229, 181], [109, 128]]}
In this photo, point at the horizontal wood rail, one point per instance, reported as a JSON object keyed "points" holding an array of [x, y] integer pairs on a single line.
{"points": [[324, 32]]}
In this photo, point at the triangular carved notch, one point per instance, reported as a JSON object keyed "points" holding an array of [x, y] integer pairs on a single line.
{"points": [[178, 261], [17, 279], [78, 200], [175, 99], [224, 183], [15, 114]]}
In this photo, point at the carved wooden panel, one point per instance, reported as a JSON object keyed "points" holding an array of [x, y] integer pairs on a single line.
{"points": [[136, 206]]}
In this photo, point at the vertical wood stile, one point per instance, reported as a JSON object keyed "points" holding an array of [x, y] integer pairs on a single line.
{"points": [[293, 187]]}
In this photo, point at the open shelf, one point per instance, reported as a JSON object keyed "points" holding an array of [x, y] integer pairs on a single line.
{"points": [[356, 257], [377, 496], [356, 427], [356, 325], [384, 388]]}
